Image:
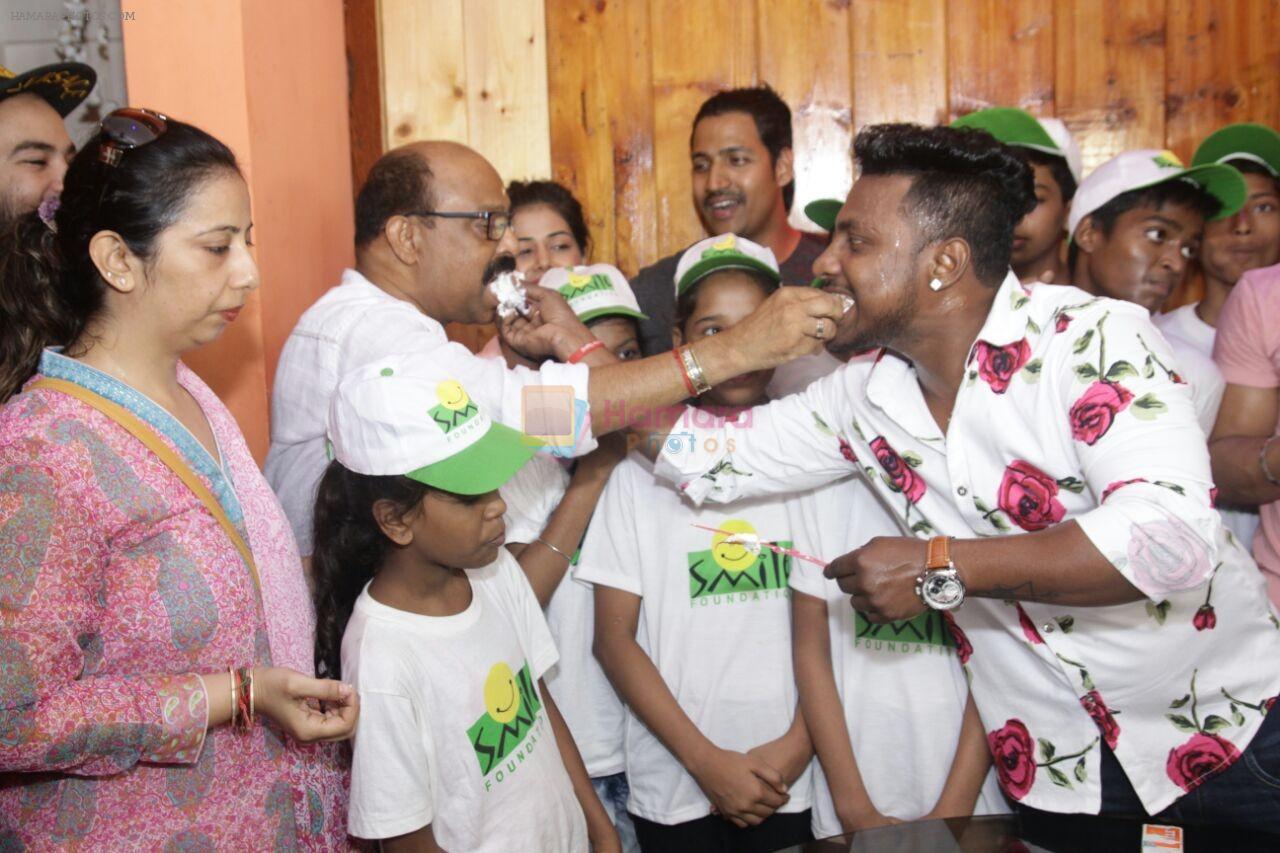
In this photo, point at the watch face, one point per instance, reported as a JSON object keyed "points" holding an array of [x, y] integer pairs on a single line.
{"points": [[943, 591]]}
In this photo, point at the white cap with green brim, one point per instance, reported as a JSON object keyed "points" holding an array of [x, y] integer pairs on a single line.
{"points": [[1245, 141], [402, 415], [726, 252], [1138, 170], [595, 291], [1013, 126]]}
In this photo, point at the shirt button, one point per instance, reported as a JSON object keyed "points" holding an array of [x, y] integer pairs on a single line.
{"points": [[1048, 628], [962, 491]]}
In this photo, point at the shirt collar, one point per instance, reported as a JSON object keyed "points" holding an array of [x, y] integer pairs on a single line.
{"points": [[892, 386], [1007, 320]]}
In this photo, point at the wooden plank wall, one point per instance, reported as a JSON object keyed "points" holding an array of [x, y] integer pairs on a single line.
{"points": [[600, 93]]}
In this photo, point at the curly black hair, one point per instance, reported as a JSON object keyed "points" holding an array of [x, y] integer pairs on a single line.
{"points": [[965, 184]]}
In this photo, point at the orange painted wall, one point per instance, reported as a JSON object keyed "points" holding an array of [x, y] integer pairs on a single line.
{"points": [[269, 79]]}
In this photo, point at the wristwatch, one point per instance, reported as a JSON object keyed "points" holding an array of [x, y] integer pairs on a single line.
{"points": [[939, 585]]}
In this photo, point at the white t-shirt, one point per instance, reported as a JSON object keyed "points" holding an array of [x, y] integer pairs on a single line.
{"points": [[901, 684], [1192, 342], [716, 625], [581, 690], [453, 732]]}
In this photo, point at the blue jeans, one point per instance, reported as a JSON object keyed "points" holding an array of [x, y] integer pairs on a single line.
{"points": [[613, 792]]}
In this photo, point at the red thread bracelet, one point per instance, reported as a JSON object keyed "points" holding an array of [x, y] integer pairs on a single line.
{"points": [[585, 350], [684, 372]]}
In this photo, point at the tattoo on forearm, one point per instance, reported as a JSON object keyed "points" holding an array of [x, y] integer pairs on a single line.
{"points": [[1025, 591]]}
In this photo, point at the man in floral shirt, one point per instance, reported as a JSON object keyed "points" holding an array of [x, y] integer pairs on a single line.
{"points": [[1120, 647]]}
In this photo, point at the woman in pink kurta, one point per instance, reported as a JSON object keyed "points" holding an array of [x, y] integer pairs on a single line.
{"points": [[122, 600]]}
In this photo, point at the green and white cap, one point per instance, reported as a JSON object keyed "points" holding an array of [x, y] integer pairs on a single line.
{"points": [[403, 415], [726, 252], [1013, 126], [1245, 141], [1138, 170], [599, 290]]}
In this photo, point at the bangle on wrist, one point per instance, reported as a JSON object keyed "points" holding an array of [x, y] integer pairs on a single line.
{"points": [[1262, 461], [231, 673], [567, 558], [694, 379], [585, 350], [684, 374]]}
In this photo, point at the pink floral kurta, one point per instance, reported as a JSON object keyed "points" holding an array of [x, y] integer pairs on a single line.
{"points": [[116, 588]]}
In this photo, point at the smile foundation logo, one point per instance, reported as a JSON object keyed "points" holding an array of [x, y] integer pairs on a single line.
{"points": [[727, 246], [509, 729], [581, 285], [732, 568], [456, 407], [926, 633]]}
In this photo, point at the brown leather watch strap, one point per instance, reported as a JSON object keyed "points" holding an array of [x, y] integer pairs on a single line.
{"points": [[939, 554]]}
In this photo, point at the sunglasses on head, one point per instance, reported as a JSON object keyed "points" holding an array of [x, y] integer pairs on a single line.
{"points": [[127, 129]]}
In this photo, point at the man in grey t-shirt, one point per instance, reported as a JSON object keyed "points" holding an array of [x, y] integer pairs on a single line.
{"points": [[743, 183]]}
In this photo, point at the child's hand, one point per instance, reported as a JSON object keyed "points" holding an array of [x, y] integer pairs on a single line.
{"points": [[308, 709], [854, 820], [742, 788], [789, 755]]}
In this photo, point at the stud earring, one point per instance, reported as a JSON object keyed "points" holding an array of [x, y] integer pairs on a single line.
{"points": [[935, 284]]}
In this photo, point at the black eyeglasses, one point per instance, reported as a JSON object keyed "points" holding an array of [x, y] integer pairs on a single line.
{"points": [[496, 222], [129, 128]]}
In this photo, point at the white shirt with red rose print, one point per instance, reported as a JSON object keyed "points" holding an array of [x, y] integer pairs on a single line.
{"points": [[1071, 410]]}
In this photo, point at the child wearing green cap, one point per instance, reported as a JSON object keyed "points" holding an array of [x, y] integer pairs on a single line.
{"points": [[1055, 160], [1248, 239], [692, 618], [418, 605]]}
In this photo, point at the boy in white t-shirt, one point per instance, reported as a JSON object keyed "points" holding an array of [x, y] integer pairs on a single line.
{"points": [[692, 622], [459, 746], [884, 704]]}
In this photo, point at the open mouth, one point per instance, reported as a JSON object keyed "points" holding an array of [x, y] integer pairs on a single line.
{"points": [[722, 208]]}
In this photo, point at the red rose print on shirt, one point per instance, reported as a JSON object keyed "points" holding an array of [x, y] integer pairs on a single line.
{"points": [[1119, 484], [1092, 414], [1015, 762], [900, 475], [846, 450], [1166, 556], [1062, 322], [1029, 496], [1205, 619], [1028, 627], [997, 365], [1102, 716], [1200, 759], [964, 650]]}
